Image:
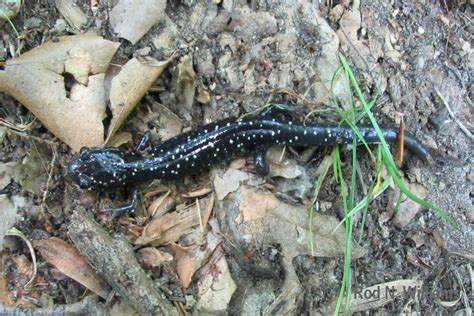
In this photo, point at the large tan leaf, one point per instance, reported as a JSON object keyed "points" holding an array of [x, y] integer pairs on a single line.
{"points": [[37, 80]]}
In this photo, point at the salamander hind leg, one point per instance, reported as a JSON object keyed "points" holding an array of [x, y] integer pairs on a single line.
{"points": [[260, 163], [276, 109]]}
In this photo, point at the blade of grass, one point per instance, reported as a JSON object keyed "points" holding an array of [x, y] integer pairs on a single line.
{"points": [[387, 156], [373, 188], [325, 166], [345, 291]]}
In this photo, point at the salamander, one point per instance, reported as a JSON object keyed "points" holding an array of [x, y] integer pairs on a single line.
{"points": [[110, 169]]}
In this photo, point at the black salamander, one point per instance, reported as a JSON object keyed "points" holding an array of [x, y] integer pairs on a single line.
{"points": [[110, 169]]}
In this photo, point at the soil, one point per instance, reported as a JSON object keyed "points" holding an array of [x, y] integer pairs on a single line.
{"points": [[416, 56]]}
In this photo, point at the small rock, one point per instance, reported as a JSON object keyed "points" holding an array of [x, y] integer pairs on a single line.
{"points": [[408, 208], [470, 216], [470, 177]]}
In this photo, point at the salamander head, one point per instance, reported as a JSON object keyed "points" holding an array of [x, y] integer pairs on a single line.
{"points": [[98, 169]]}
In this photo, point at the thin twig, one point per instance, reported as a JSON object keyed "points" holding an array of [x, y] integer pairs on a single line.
{"points": [[48, 182], [454, 117]]}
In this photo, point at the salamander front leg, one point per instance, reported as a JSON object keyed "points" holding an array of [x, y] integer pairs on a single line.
{"points": [[143, 142], [260, 163], [125, 208]]}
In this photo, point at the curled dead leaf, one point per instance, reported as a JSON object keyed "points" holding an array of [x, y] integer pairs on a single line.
{"points": [[216, 287], [129, 86]]}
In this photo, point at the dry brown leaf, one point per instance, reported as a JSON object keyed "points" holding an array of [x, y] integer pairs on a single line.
{"points": [[171, 226], [132, 19], [238, 163], [280, 166], [255, 204], [129, 86], [185, 264], [37, 80], [183, 82], [229, 182], [69, 261], [287, 169], [154, 257]]}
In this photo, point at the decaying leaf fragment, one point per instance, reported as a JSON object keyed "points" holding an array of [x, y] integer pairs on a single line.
{"points": [[37, 79]]}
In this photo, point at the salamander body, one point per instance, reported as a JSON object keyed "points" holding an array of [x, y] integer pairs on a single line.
{"points": [[110, 169]]}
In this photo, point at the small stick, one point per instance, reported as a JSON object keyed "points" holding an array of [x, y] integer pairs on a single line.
{"points": [[454, 117]]}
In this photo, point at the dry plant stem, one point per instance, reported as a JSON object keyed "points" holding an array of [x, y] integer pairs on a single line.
{"points": [[115, 260], [454, 117], [48, 182]]}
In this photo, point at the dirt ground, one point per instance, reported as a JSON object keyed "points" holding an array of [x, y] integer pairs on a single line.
{"points": [[251, 255]]}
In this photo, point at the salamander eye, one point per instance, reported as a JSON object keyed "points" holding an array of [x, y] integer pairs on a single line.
{"points": [[85, 153]]}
